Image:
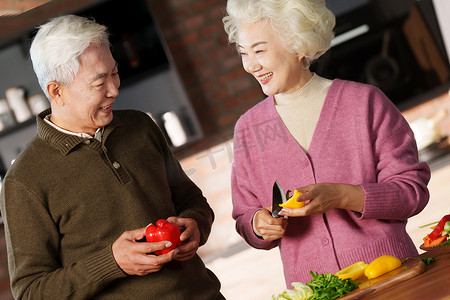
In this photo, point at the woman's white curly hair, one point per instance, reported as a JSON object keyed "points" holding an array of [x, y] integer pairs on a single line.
{"points": [[304, 26]]}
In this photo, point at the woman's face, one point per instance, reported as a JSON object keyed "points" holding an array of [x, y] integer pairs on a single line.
{"points": [[265, 57]]}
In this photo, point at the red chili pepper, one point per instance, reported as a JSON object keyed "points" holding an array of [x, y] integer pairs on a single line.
{"points": [[439, 227]]}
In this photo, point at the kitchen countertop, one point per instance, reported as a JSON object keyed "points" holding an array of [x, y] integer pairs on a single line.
{"points": [[432, 284], [439, 162]]}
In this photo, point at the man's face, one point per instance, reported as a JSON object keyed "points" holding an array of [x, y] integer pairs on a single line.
{"points": [[87, 101]]}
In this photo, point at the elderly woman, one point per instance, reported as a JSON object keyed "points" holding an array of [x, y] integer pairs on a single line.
{"points": [[342, 144]]}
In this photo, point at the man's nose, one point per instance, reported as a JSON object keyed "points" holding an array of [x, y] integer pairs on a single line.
{"points": [[113, 89]]}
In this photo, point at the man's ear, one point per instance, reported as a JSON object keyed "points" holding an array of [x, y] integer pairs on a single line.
{"points": [[55, 92]]}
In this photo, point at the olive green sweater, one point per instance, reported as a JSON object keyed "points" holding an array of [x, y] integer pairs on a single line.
{"points": [[66, 199]]}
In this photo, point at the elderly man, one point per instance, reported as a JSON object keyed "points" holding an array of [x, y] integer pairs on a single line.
{"points": [[77, 200]]}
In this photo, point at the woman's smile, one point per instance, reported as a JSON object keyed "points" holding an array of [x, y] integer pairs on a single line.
{"points": [[265, 78]]}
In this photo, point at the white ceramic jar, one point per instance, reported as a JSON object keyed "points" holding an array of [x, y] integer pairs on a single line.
{"points": [[18, 104], [174, 129]]}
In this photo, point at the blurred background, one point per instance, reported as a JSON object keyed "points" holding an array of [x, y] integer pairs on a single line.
{"points": [[176, 65]]}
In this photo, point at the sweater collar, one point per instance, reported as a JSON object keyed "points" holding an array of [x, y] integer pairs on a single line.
{"points": [[307, 91], [62, 141], [326, 115]]}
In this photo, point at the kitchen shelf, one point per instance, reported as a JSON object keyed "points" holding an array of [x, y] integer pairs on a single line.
{"points": [[17, 127]]}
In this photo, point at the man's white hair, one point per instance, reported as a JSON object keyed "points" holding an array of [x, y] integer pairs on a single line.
{"points": [[58, 44]]}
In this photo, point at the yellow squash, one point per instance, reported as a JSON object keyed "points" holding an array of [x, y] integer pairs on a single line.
{"points": [[382, 265], [353, 271], [292, 202]]}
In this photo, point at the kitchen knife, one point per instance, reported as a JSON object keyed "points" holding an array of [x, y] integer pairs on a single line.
{"points": [[278, 197]]}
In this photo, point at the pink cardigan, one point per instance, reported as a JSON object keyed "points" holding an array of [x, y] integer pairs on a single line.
{"points": [[361, 138]]}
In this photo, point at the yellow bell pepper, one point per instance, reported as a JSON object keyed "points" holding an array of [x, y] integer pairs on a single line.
{"points": [[292, 202], [353, 271], [382, 265]]}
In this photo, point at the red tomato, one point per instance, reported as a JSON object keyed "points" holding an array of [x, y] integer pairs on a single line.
{"points": [[163, 231]]}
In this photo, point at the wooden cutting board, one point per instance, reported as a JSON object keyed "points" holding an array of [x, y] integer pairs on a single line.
{"points": [[409, 269]]}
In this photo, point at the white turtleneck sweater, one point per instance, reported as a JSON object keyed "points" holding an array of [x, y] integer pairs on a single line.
{"points": [[301, 109]]}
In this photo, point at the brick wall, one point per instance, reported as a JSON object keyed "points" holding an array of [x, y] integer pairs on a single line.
{"points": [[218, 87]]}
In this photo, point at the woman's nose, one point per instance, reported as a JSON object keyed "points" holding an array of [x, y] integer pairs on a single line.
{"points": [[253, 65]]}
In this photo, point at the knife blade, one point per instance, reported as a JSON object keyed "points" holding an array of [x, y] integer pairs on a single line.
{"points": [[278, 197]]}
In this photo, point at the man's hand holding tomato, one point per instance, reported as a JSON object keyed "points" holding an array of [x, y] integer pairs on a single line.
{"points": [[134, 257], [190, 237]]}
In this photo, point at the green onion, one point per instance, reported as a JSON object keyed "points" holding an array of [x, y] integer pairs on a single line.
{"points": [[426, 225]]}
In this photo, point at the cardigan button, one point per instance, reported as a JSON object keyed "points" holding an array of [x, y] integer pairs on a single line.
{"points": [[87, 142], [325, 241], [116, 165]]}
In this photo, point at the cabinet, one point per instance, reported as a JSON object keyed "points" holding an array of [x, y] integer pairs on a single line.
{"points": [[149, 79]]}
